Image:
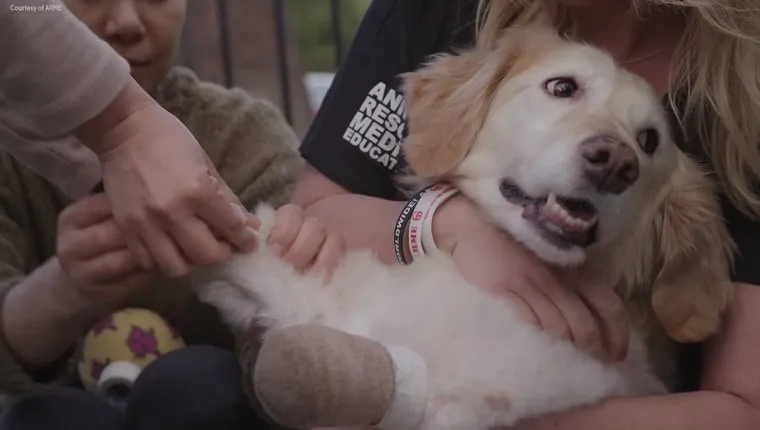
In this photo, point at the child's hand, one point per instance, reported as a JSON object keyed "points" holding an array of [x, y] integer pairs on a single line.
{"points": [[93, 253], [306, 243]]}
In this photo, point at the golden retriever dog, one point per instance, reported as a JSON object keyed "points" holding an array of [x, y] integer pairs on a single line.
{"points": [[571, 155]]}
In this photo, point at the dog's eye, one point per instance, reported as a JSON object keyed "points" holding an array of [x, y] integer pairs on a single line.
{"points": [[649, 140], [561, 87]]}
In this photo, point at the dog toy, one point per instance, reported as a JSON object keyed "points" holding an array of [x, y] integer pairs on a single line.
{"points": [[312, 376], [118, 347]]}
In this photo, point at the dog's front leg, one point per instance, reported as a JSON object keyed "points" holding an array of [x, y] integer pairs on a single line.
{"points": [[310, 376]]}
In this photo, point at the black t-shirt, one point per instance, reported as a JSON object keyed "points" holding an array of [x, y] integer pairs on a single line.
{"points": [[355, 138]]}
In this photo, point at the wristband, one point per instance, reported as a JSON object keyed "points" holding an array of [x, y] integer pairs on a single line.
{"points": [[421, 222], [428, 240], [401, 224]]}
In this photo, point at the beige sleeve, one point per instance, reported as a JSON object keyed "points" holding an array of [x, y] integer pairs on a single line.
{"points": [[54, 73]]}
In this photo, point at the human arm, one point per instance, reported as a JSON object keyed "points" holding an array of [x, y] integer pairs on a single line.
{"points": [[94, 273], [91, 275], [166, 195], [258, 158], [364, 221], [43, 316], [729, 395], [29, 209], [255, 152], [56, 74]]}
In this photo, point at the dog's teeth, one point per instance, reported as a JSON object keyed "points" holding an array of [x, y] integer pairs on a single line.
{"points": [[553, 227], [567, 219], [552, 205], [551, 200], [556, 208], [560, 218], [574, 222], [559, 213]]}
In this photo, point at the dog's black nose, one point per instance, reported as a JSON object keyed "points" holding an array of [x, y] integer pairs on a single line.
{"points": [[609, 163]]}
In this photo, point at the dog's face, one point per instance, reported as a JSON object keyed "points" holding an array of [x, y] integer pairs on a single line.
{"points": [[562, 147], [572, 149]]}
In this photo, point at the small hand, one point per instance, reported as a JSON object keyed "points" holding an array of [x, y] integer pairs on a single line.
{"points": [[93, 254], [305, 242]]}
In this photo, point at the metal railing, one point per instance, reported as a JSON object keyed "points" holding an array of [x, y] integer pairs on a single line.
{"points": [[283, 66]]}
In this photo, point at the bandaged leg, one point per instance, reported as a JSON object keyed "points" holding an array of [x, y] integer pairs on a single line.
{"points": [[312, 376]]}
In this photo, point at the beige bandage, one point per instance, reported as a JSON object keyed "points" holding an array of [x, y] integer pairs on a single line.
{"points": [[313, 376]]}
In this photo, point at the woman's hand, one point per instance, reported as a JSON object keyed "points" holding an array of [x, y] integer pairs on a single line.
{"points": [[166, 196], [566, 303], [305, 242], [93, 254]]}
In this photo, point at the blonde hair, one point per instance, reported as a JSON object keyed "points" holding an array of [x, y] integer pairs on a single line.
{"points": [[717, 79]]}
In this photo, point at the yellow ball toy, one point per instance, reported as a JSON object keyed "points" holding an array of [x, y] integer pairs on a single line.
{"points": [[130, 337]]}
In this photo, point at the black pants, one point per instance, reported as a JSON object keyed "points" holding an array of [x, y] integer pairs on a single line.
{"points": [[194, 388]]}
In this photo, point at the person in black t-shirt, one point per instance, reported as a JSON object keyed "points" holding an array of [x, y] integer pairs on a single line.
{"points": [[712, 49]]}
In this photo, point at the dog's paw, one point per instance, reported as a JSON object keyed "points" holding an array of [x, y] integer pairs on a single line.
{"points": [[686, 319], [694, 329]]}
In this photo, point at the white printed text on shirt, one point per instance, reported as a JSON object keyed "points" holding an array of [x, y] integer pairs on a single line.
{"points": [[377, 128]]}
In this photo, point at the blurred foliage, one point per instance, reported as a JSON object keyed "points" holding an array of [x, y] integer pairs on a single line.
{"points": [[311, 20]]}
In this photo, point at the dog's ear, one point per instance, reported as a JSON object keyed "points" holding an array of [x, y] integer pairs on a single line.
{"points": [[693, 286], [448, 100]]}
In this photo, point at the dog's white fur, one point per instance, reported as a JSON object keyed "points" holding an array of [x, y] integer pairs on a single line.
{"points": [[486, 366]]}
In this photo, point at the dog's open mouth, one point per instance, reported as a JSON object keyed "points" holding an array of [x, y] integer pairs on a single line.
{"points": [[564, 221]]}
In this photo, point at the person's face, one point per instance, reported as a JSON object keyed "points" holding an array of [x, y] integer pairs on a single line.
{"points": [[145, 32]]}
